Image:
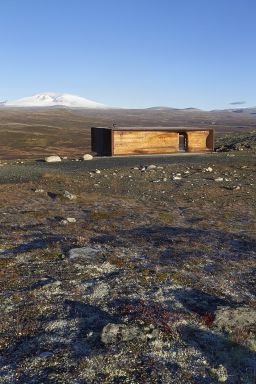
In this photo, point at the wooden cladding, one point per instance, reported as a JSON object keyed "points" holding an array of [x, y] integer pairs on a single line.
{"points": [[197, 141], [146, 141]]}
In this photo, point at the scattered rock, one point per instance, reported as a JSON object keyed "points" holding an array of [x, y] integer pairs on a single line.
{"points": [[150, 167], [218, 179], [52, 159], [209, 169], [177, 178], [87, 156], [116, 333], [84, 252], [39, 190], [71, 220], [69, 195]]}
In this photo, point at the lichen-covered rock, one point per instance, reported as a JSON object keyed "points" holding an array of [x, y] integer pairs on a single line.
{"points": [[219, 373], [83, 252], [115, 333], [229, 319]]}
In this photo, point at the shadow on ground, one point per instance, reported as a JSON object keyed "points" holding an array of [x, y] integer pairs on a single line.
{"points": [[80, 327]]}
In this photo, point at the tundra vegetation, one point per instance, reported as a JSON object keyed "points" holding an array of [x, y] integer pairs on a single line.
{"points": [[130, 274]]}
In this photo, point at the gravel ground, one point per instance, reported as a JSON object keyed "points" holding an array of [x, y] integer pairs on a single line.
{"points": [[13, 171], [129, 270]]}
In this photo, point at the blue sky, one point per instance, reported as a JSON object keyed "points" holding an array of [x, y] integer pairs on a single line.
{"points": [[131, 53]]}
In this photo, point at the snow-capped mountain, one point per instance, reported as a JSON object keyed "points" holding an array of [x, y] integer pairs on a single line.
{"points": [[53, 100]]}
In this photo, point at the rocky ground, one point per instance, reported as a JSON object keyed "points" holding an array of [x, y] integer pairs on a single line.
{"points": [[142, 274], [237, 141]]}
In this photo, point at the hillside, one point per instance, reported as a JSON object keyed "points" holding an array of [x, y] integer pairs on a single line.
{"points": [[35, 132]]}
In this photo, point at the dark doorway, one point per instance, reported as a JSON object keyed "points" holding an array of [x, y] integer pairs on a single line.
{"points": [[182, 142]]}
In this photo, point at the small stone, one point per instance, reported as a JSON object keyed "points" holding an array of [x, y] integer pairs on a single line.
{"points": [[218, 179], [71, 220], [176, 178], [69, 195], [209, 169], [39, 190], [45, 354], [52, 159], [97, 171], [150, 167], [87, 156], [165, 179]]}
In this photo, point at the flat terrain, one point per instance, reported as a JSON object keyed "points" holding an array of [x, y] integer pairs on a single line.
{"points": [[35, 133], [114, 271]]}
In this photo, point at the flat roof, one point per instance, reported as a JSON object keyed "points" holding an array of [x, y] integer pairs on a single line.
{"points": [[154, 128]]}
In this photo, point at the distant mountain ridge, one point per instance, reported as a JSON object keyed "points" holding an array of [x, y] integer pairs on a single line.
{"points": [[66, 100], [52, 99], [247, 110]]}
